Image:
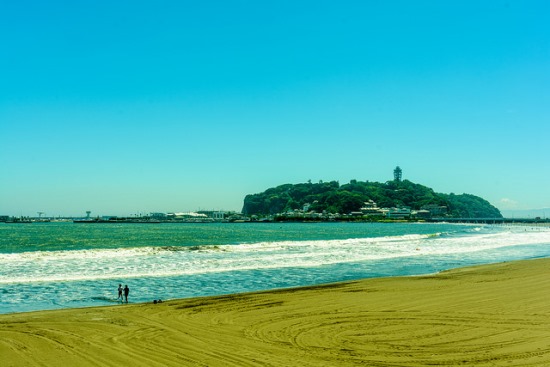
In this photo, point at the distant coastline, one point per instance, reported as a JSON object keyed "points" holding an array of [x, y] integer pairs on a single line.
{"points": [[345, 219]]}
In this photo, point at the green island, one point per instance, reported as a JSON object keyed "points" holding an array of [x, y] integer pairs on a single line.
{"points": [[395, 200], [363, 200]]}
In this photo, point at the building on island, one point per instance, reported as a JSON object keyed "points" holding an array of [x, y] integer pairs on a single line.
{"points": [[398, 213], [435, 210], [397, 174], [370, 209], [421, 214]]}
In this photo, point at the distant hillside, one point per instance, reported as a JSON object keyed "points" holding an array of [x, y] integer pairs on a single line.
{"points": [[335, 198]]}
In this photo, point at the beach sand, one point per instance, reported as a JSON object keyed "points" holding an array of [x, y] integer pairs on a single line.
{"points": [[491, 315]]}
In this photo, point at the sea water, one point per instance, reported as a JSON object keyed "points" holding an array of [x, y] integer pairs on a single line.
{"points": [[64, 265]]}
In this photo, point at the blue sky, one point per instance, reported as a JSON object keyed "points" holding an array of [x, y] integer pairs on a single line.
{"points": [[133, 106]]}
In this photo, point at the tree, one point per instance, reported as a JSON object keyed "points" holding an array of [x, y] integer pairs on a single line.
{"points": [[331, 197]]}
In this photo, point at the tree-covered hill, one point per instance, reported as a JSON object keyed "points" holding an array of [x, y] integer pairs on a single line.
{"points": [[331, 197]]}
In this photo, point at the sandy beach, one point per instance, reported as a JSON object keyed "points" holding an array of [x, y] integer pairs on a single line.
{"points": [[491, 315]]}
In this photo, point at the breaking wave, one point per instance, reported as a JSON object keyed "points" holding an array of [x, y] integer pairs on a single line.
{"points": [[162, 261]]}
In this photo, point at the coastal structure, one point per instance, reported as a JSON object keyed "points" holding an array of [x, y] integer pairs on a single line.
{"points": [[186, 216], [397, 174], [435, 210], [216, 215], [176, 217], [370, 209], [398, 213]]}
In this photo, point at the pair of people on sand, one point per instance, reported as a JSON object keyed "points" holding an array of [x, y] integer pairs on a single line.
{"points": [[123, 291]]}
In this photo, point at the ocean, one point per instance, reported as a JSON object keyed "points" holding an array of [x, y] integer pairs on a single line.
{"points": [[67, 265]]}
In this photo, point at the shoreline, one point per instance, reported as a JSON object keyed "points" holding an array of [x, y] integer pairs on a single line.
{"points": [[314, 255], [483, 315]]}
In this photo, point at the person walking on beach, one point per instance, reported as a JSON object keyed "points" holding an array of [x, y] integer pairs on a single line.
{"points": [[126, 292], [120, 293]]}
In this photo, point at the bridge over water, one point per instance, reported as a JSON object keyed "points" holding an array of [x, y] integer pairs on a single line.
{"points": [[491, 220]]}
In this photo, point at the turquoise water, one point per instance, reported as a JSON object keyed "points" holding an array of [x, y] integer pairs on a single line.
{"points": [[63, 265]]}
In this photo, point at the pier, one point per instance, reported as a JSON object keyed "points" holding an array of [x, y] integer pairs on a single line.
{"points": [[490, 220]]}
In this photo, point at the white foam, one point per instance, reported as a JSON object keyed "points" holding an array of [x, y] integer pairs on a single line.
{"points": [[50, 266]]}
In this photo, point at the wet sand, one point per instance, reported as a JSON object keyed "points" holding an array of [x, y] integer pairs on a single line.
{"points": [[491, 315]]}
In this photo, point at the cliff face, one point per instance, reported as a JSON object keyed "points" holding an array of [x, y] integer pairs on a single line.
{"points": [[335, 198]]}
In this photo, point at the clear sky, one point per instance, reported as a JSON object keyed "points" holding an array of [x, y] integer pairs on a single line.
{"points": [[122, 107]]}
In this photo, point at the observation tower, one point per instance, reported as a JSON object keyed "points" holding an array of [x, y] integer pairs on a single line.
{"points": [[397, 173]]}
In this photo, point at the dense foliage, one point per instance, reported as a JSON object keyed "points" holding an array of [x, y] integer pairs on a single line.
{"points": [[331, 197]]}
